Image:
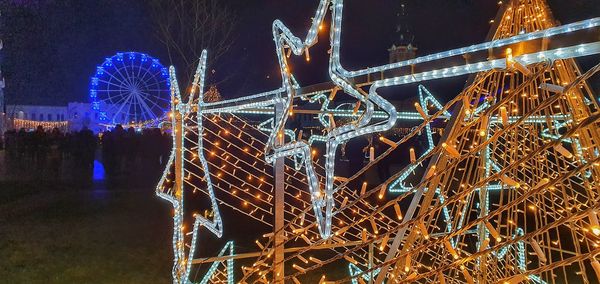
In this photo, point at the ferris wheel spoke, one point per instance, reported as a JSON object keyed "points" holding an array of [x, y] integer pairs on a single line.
{"points": [[137, 107], [148, 110], [120, 91], [156, 96], [147, 85], [127, 102], [112, 105], [112, 99], [115, 116], [119, 106], [113, 77], [134, 105], [132, 69], [154, 72], [154, 90], [129, 76], [163, 99], [108, 98], [125, 78], [140, 67], [155, 104], [148, 71], [145, 98], [110, 83], [128, 112], [156, 84], [135, 76]]}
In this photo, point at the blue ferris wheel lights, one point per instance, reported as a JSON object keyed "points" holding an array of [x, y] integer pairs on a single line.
{"points": [[130, 87], [165, 72]]}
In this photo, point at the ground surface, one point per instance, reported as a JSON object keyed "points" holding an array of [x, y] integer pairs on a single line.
{"points": [[76, 226], [55, 231]]}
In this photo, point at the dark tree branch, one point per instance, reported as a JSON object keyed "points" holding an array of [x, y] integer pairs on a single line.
{"points": [[186, 27]]}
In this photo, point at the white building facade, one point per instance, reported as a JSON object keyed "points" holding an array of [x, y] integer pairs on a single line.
{"points": [[77, 115]]}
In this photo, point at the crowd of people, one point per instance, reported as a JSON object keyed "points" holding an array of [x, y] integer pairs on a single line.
{"points": [[126, 151], [119, 152]]}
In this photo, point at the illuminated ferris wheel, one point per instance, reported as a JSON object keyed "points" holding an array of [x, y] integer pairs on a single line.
{"points": [[130, 89]]}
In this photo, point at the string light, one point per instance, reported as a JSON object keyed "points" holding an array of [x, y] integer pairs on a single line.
{"points": [[183, 264], [452, 185]]}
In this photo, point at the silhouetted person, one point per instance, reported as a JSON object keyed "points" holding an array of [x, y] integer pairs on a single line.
{"points": [[118, 134], [86, 145], [40, 147], [55, 148], [130, 148], [109, 158]]}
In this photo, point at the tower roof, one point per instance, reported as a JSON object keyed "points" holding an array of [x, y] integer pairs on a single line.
{"points": [[403, 35]]}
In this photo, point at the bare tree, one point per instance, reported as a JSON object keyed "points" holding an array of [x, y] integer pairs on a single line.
{"points": [[186, 27]]}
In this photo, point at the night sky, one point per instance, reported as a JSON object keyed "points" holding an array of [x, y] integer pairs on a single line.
{"points": [[51, 48]]}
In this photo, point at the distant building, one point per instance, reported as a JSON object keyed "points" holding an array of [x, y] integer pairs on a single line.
{"points": [[75, 115], [403, 47]]}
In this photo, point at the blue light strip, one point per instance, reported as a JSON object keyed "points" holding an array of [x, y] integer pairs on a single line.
{"points": [[355, 271], [213, 268], [425, 97]]}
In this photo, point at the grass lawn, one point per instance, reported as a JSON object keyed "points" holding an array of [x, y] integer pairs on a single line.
{"points": [[60, 233], [55, 229]]}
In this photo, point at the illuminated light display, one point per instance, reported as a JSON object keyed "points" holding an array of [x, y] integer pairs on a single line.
{"points": [[355, 271], [425, 98], [584, 49], [130, 88], [33, 124], [520, 173], [175, 194], [323, 201], [210, 274]]}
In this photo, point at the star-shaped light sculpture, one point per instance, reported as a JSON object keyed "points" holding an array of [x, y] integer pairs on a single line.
{"points": [[175, 193], [425, 98], [322, 200]]}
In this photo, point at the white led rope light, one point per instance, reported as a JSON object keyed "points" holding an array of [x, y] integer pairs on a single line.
{"points": [[182, 263]]}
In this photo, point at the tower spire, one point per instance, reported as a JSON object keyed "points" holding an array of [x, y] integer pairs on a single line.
{"points": [[402, 47]]}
